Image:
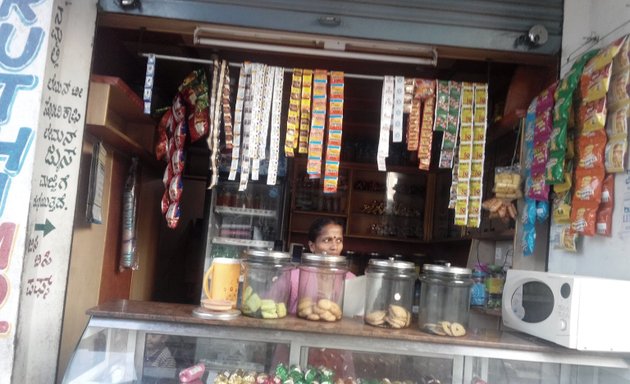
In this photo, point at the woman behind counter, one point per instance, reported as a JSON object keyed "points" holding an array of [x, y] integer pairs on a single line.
{"points": [[325, 236]]}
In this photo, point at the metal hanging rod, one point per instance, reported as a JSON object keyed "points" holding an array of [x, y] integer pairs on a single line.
{"points": [[239, 65]]}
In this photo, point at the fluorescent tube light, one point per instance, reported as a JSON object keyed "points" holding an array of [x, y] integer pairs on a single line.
{"points": [[309, 43]]}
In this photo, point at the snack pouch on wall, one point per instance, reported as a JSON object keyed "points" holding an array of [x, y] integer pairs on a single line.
{"points": [[604, 213]]}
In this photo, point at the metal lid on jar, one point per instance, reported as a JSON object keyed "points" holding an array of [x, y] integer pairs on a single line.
{"points": [[393, 265], [447, 270], [267, 256], [323, 260]]}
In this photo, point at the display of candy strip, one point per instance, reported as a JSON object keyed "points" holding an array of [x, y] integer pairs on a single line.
{"points": [[413, 122], [318, 124], [261, 121], [397, 118], [305, 111], [452, 122], [442, 97], [250, 69], [148, 84], [426, 128], [227, 110], [335, 130], [410, 85], [243, 79], [465, 153], [538, 189], [387, 109], [293, 115], [478, 153], [216, 120], [213, 100], [276, 112]]}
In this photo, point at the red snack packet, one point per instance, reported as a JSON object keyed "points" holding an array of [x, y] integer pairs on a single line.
{"points": [[168, 175], [177, 162], [591, 150], [179, 135], [179, 109], [162, 138], [165, 202], [588, 187], [604, 214], [175, 189], [198, 125], [583, 219], [608, 192], [172, 215]]}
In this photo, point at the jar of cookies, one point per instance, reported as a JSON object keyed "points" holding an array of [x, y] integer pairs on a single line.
{"points": [[266, 284], [444, 300], [321, 287], [389, 293]]}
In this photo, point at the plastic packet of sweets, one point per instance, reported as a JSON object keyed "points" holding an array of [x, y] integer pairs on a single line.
{"points": [[545, 99], [583, 219], [163, 128], [604, 222], [592, 116], [175, 188], [542, 211], [588, 187], [605, 56], [539, 189], [529, 239], [555, 168], [591, 151], [619, 89], [568, 239], [172, 215], [621, 62], [617, 122], [608, 192], [567, 174], [541, 152], [558, 140], [562, 207], [616, 149], [595, 84], [543, 127], [529, 212]]}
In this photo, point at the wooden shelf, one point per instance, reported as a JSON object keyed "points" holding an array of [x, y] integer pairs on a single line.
{"points": [[387, 238], [320, 213], [115, 115], [387, 216], [494, 235]]}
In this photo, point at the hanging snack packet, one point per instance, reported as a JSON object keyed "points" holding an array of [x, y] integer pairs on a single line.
{"points": [[529, 239], [562, 207], [592, 116], [616, 149], [617, 122], [594, 85], [507, 182], [568, 239], [542, 211], [619, 93], [567, 173], [606, 55], [538, 189], [583, 219], [604, 213], [588, 186], [163, 127], [591, 151], [622, 60]]}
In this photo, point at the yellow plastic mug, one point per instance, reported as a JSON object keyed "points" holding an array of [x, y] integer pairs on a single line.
{"points": [[223, 276]]}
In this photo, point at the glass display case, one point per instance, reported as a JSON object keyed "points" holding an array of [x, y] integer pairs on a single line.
{"points": [[127, 341]]}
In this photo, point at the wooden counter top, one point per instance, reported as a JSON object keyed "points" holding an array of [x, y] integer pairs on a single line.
{"points": [[182, 313]]}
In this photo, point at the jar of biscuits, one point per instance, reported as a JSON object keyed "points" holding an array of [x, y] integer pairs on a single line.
{"points": [[321, 287], [389, 293], [444, 300], [266, 284]]}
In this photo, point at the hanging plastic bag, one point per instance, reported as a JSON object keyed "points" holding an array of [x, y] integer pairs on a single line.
{"points": [[128, 253]]}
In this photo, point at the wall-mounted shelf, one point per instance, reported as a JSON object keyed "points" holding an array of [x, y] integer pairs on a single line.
{"points": [[114, 115], [242, 242], [226, 210]]}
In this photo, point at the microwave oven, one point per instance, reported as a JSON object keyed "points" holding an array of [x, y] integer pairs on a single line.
{"points": [[579, 312]]}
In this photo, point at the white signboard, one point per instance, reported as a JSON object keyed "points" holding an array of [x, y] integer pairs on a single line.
{"points": [[23, 41], [47, 58]]}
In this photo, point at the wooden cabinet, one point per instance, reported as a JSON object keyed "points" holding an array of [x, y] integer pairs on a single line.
{"points": [[388, 213]]}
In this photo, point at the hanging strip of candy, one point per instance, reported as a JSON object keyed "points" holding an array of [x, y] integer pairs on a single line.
{"points": [[262, 120], [250, 69], [238, 119], [216, 122], [227, 111], [387, 109], [293, 116], [305, 111], [276, 113], [397, 118], [413, 123], [335, 129], [480, 125], [213, 100], [318, 124], [148, 84], [427, 88], [450, 121], [465, 155]]}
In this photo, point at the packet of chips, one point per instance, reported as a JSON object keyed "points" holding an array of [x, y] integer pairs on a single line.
{"points": [[616, 149], [562, 207], [591, 151], [583, 219], [604, 213], [592, 116], [594, 85], [588, 187], [568, 239]]}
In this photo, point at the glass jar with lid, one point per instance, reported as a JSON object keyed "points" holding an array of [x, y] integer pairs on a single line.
{"points": [[321, 287], [389, 293], [444, 300], [266, 283]]}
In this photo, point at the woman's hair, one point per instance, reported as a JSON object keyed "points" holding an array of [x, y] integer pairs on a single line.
{"points": [[318, 224]]}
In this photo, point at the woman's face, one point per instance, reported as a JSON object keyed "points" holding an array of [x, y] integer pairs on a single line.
{"points": [[329, 241]]}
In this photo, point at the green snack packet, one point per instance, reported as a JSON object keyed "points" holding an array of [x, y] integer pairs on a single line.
{"points": [[555, 165]]}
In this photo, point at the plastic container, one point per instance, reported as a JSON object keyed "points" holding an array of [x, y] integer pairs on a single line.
{"points": [[389, 294], [444, 300], [266, 284], [479, 295], [321, 287]]}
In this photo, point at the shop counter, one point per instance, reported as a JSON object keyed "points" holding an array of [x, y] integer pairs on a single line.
{"points": [[133, 341]]}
